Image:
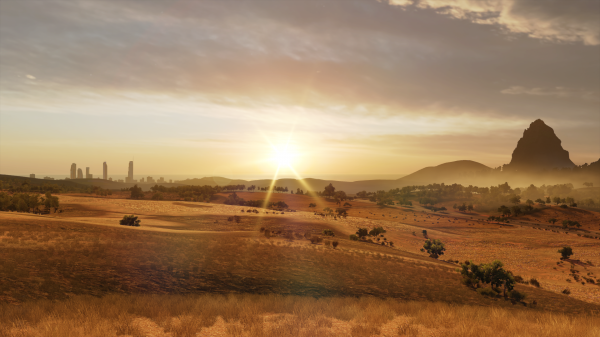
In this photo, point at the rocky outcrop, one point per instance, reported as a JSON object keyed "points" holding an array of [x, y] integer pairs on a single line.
{"points": [[539, 149]]}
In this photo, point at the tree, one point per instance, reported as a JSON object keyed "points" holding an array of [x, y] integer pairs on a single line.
{"points": [[435, 248], [329, 190], [505, 211], [516, 210], [362, 232], [565, 252], [495, 274], [312, 205], [462, 208], [376, 231], [424, 233], [552, 221], [548, 201], [130, 220], [335, 244], [530, 202], [515, 199], [354, 237], [341, 212], [588, 184], [556, 200], [51, 202], [136, 192], [470, 207]]}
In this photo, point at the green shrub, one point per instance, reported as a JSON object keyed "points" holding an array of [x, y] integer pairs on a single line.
{"points": [[130, 220], [353, 237]]}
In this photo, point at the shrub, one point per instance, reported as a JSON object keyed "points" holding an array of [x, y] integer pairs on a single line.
{"points": [[157, 196], [353, 237], [130, 220], [335, 244], [487, 292], [517, 296], [566, 291], [565, 252], [328, 232], [534, 282]]}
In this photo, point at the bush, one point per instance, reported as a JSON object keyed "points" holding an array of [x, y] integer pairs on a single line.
{"points": [[566, 291], [328, 232], [130, 220], [335, 244], [534, 282], [565, 252], [564, 206], [487, 292], [157, 196], [353, 237], [517, 296]]}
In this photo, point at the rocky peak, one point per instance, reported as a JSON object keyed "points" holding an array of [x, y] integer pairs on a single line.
{"points": [[539, 149]]}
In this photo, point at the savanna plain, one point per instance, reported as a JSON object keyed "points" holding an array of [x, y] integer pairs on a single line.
{"points": [[211, 269]]}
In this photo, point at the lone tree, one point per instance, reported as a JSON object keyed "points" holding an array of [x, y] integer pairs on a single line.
{"points": [[136, 192], [566, 252], [130, 220], [553, 221], [435, 248]]}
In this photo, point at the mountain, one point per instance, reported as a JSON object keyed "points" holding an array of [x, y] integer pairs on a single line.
{"points": [[462, 171], [539, 149]]}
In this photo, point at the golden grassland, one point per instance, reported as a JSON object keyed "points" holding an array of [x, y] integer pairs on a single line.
{"points": [[79, 273], [276, 315]]}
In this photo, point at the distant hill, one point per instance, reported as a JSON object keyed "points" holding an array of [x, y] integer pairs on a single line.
{"points": [[449, 173]]}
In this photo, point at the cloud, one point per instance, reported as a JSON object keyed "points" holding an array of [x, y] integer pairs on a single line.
{"points": [[340, 59], [561, 21], [557, 91]]}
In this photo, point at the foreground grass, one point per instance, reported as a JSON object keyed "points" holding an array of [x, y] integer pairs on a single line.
{"points": [[275, 315]]}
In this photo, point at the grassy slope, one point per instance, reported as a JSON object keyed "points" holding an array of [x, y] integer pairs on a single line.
{"points": [[55, 259]]}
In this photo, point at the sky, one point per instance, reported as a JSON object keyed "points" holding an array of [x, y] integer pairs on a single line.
{"points": [[234, 88]]}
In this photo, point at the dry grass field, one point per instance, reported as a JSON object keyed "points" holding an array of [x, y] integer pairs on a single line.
{"points": [[187, 249], [276, 315]]}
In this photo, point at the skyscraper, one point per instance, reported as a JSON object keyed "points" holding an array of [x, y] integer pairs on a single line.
{"points": [[130, 173], [73, 171], [79, 174], [87, 173], [105, 171]]}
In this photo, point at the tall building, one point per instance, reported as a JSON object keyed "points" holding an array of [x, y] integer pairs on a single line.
{"points": [[73, 171], [87, 173], [105, 171], [130, 173], [79, 174]]}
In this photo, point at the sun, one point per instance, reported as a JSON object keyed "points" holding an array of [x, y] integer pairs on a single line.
{"points": [[283, 158]]}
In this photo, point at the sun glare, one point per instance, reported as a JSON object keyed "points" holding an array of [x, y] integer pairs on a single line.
{"points": [[283, 158]]}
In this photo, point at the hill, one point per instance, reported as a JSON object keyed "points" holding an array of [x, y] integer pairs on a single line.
{"points": [[462, 171]]}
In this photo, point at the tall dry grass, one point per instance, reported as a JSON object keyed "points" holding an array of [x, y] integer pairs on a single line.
{"points": [[275, 315]]}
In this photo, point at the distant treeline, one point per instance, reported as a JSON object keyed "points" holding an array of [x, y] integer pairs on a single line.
{"points": [[486, 197], [28, 202]]}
